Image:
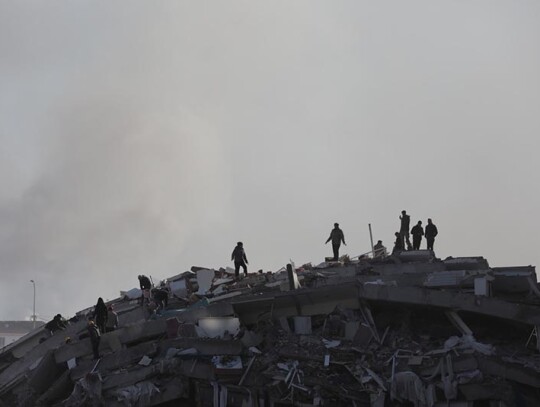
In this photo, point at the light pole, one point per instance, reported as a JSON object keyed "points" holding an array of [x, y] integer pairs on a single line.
{"points": [[34, 314]]}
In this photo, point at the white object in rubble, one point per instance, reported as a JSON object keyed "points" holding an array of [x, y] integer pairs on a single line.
{"points": [[145, 361], [331, 344], [71, 363], [215, 327]]}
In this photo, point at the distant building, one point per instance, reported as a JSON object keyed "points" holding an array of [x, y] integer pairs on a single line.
{"points": [[10, 331]]}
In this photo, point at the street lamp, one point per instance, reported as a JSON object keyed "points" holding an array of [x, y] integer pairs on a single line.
{"points": [[34, 314]]}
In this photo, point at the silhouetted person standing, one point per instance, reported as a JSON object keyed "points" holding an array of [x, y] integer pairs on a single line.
{"points": [[398, 244], [431, 232], [404, 230], [336, 236], [101, 314], [417, 232], [240, 259]]}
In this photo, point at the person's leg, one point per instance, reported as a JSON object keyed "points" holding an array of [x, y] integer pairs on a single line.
{"points": [[335, 247], [236, 269], [244, 266]]}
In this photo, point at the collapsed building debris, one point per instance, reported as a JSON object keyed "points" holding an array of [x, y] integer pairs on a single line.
{"points": [[402, 330]]}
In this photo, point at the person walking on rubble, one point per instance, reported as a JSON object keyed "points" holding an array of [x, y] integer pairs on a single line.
{"points": [[417, 232], [240, 259], [404, 230], [431, 232], [146, 285], [336, 236], [95, 337]]}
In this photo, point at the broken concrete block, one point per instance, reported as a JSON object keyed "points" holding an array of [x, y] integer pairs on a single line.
{"points": [[204, 280], [481, 286], [213, 327], [302, 325], [351, 328], [179, 288], [145, 361]]}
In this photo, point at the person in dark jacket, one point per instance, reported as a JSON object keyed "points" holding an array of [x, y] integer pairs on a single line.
{"points": [[100, 314], [57, 323], [404, 229], [161, 298], [417, 232], [146, 285], [240, 259], [379, 250], [95, 337], [431, 232], [336, 236], [398, 244]]}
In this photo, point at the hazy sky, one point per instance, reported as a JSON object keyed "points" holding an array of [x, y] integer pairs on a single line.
{"points": [[150, 136]]}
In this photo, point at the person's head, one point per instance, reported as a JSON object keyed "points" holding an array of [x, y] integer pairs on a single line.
{"points": [[403, 212], [140, 277], [419, 222], [91, 322], [240, 244], [429, 221], [336, 225], [379, 241], [397, 234], [100, 301]]}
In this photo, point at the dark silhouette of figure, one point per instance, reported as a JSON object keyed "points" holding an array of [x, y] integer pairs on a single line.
{"points": [[95, 337], [112, 320], [404, 230], [398, 244], [240, 259], [417, 232], [161, 298], [336, 236], [100, 314], [144, 282], [379, 250], [146, 285], [431, 232], [58, 323]]}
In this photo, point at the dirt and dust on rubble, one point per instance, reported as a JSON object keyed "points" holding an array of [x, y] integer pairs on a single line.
{"points": [[402, 330]]}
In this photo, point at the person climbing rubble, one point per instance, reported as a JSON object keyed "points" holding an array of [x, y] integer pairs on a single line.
{"points": [[145, 285], [336, 236], [58, 323], [161, 298], [240, 259]]}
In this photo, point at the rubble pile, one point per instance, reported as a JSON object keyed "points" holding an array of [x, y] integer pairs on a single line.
{"points": [[403, 330]]}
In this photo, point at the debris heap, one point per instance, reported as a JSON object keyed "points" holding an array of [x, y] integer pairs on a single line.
{"points": [[403, 330]]}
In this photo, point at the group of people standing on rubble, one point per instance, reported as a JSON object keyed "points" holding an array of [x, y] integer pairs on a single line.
{"points": [[417, 231], [402, 241]]}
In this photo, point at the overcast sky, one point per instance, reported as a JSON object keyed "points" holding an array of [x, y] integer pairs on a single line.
{"points": [[147, 137]]}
